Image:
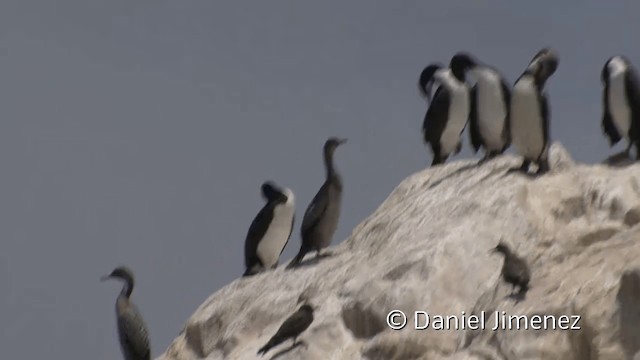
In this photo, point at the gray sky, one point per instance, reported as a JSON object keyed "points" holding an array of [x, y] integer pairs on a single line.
{"points": [[139, 132]]}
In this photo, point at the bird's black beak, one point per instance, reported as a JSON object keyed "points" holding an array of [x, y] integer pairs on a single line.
{"points": [[105, 277], [342, 141], [550, 65]]}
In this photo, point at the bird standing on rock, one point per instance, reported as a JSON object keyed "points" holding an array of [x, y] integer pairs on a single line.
{"points": [[132, 330], [270, 230], [448, 111], [489, 110], [529, 111], [621, 103], [515, 270], [290, 328], [320, 220]]}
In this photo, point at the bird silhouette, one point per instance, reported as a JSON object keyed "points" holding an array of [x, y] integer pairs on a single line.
{"points": [[290, 328], [515, 270], [132, 330]]}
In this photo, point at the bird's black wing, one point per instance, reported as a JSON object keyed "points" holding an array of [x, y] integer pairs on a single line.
{"points": [[545, 112], [294, 325], [607, 122], [293, 221], [474, 128], [436, 117], [517, 269], [506, 96], [632, 87], [257, 229], [133, 333], [316, 209]]}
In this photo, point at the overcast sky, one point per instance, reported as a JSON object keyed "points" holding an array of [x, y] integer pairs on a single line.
{"points": [[139, 132]]}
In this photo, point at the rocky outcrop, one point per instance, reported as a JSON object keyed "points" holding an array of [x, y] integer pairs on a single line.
{"points": [[427, 248]]}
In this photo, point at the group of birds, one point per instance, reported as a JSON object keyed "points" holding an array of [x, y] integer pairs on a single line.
{"points": [[271, 229], [499, 116], [267, 237]]}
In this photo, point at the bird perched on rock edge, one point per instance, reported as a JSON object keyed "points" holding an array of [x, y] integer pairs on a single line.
{"points": [[320, 220], [290, 328], [515, 270]]}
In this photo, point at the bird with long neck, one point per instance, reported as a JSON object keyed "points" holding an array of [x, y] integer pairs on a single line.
{"points": [[321, 217], [330, 169], [132, 330]]}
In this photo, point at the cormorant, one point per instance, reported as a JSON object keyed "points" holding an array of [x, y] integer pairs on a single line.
{"points": [[515, 270], [489, 110], [448, 111], [321, 217], [270, 230], [291, 328], [529, 111], [621, 103], [132, 330]]}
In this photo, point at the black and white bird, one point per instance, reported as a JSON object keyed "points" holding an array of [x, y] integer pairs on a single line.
{"points": [[515, 270], [529, 111], [448, 111], [321, 217], [490, 99], [270, 230], [132, 330], [291, 328], [621, 103]]}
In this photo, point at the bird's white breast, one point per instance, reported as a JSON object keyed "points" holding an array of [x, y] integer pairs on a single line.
{"points": [[618, 106], [458, 111], [277, 234], [491, 108], [526, 119]]}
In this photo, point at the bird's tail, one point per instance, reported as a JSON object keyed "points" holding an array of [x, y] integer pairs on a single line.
{"points": [[523, 290], [248, 272], [252, 270], [298, 258], [263, 350]]}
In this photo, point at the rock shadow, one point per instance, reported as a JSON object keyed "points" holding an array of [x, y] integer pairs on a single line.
{"points": [[516, 296], [618, 160], [519, 171], [628, 299], [310, 261], [362, 321], [282, 353], [452, 174]]}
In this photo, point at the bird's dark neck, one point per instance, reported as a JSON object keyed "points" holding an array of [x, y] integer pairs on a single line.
{"points": [[127, 288], [538, 79], [332, 174], [507, 253], [458, 74], [540, 82]]}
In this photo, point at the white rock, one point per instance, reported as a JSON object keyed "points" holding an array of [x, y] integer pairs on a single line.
{"points": [[427, 248]]}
